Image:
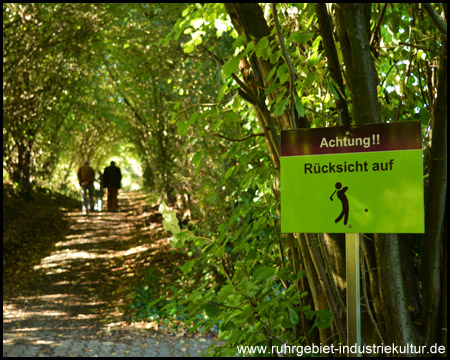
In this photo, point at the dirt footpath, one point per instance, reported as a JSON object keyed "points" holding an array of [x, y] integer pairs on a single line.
{"points": [[75, 305]]}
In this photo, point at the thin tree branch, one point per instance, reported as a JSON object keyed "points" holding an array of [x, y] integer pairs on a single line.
{"points": [[366, 297], [292, 91], [243, 139], [125, 99], [377, 26], [244, 87], [437, 20], [319, 267], [333, 61]]}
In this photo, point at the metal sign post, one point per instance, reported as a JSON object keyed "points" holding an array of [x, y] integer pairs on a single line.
{"points": [[353, 292]]}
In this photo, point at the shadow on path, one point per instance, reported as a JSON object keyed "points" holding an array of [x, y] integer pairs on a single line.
{"points": [[74, 307]]}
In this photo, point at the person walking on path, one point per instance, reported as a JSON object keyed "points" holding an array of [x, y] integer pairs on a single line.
{"points": [[86, 176], [112, 180]]}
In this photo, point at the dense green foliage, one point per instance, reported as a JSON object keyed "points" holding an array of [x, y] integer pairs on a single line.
{"points": [[197, 94]]}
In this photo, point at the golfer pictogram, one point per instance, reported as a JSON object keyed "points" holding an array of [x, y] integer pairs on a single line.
{"points": [[340, 191]]}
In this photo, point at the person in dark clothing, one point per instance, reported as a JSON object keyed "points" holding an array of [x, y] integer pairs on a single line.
{"points": [[112, 180]]}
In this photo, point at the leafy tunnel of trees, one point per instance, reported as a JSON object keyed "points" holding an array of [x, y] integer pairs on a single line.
{"points": [[198, 94]]}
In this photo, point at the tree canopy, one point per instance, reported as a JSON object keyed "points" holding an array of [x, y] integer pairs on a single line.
{"points": [[197, 94]]}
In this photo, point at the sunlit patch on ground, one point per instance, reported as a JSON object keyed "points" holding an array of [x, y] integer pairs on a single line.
{"points": [[86, 280]]}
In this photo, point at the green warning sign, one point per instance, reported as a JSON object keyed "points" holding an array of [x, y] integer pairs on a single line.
{"points": [[353, 179]]}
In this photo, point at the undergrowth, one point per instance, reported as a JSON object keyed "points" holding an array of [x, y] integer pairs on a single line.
{"points": [[32, 224]]}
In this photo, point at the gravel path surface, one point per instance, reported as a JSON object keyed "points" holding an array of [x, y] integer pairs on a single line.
{"points": [[72, 307]]}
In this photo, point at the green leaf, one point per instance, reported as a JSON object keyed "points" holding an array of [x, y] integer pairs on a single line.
{"points": [[187, 266], [314, 59], [192, 118], [310, 79], [197, 37], [263, 272], [170, 223], [249, 48], [185, 12], [220, 252], [301, 38], [177, 105], [222, 92], [274, 86], [163, 208], [323, 318], [299, 106], [246, 316], [308, 312], [212, 310], [189, 47], [283, 73], [251, 289], [286, 322], [197, 158], [217, 125], [262, 48], [231, 65], [226, 291], [293, 317], [262, 43], [182, 127], [279, 109], [333, 90], [229, 172]]}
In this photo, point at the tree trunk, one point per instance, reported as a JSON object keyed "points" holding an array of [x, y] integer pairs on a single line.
{"points": [[248, 19], [22, 171], [435, 209], [332, 60], [399, 327], [353, 32]]}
